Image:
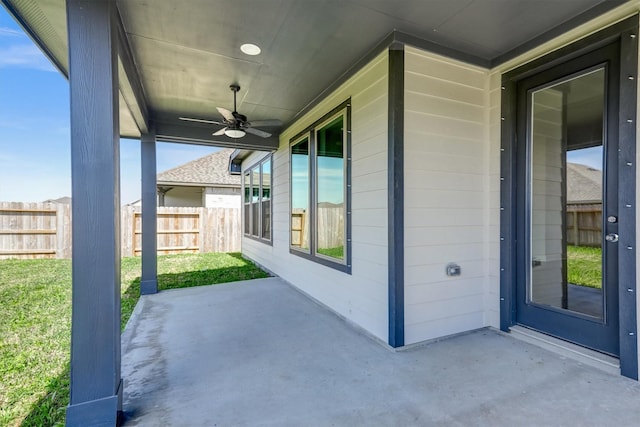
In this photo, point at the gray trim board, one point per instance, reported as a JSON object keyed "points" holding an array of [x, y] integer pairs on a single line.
{"points": [[396, 195], [95, 163], [149, 279], [627, 287], [348, 202], [507, 198]]}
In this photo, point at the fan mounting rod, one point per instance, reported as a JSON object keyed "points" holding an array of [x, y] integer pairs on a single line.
{"points": [[234, 88]]}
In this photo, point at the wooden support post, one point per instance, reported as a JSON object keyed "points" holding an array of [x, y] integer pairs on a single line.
{"points": [[149, 281], [96, 386]]}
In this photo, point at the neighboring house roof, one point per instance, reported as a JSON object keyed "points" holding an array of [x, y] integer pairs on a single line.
{"points": [[210, 170], [62, 200], [584, 183]]}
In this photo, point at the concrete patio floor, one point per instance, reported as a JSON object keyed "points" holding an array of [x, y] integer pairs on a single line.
{"points": [[260, 353]]}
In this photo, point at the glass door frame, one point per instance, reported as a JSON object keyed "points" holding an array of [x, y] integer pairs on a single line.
{"points": [[623, 36], [602, 335]]}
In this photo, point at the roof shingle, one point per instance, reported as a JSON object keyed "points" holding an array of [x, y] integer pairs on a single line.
{"points": [[212, 169], [584, 183]]}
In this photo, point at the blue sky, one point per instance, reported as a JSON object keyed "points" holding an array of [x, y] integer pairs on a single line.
{"points": [[587, 156], [35, 159]]}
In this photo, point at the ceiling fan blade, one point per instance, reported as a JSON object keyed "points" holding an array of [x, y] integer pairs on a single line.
{"points": [[220, 132], [190, 119], [257, 132], [228, 115], [266, 123]]}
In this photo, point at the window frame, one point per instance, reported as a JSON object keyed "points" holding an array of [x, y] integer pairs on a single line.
{"points": [[262, 200], [298, 139], [246, 203], [248, 206], [310, 133]]}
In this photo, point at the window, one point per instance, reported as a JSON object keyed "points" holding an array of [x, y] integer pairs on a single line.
{"points": [[320, 191], [265, 201], [257, 200], [300, 171]]}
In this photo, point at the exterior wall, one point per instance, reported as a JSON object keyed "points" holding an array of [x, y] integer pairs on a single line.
{"points": [[362, 296], [452, 195], [446, 195], [222, 197], [207, 197], [190, 197]]}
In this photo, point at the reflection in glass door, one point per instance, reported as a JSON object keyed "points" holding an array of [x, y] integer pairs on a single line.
{"points": [[567, 202], [566, 195]]}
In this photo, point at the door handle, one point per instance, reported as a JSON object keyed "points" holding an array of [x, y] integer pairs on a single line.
{"points": [[611, 237]]}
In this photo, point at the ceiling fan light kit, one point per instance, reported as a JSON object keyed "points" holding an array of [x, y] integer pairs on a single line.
{"points": [[234, 133], [235, 124]]}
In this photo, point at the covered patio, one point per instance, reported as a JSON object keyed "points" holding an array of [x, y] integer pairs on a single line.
{"points": [[261, 353], [419, 107]]}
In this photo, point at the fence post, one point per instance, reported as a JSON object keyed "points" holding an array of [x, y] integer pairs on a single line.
{"points": [[202, 221], [59, 231], [576, 229]]}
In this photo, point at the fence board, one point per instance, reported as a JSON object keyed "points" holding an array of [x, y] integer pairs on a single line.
{"points": [[584, 224], [43, 230], [29, 230]]}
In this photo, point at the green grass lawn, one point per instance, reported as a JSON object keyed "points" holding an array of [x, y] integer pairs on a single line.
{"points": [[36, 319], [337, 252], [584, 266]]}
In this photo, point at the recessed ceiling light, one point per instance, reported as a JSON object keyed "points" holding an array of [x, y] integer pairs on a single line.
{"points": [[250, 49]]}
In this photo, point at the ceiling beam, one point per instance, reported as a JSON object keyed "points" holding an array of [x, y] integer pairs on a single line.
{"points": [[130, 83], [169, 131]]}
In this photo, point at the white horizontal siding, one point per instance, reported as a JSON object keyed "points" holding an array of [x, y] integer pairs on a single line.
{"points": [[446, 195], [422, 331], [361, 297]]}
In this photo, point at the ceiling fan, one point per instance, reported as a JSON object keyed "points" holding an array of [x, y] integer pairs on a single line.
{"points": [[235, 124]]}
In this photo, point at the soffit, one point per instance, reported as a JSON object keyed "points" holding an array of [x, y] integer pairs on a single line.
{"points": [[187, 53]]}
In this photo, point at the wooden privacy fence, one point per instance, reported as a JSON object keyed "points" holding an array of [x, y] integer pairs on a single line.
{"points": [[330, 227], [584, 224], [43, 230], [184, 230], [35, 230]]}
